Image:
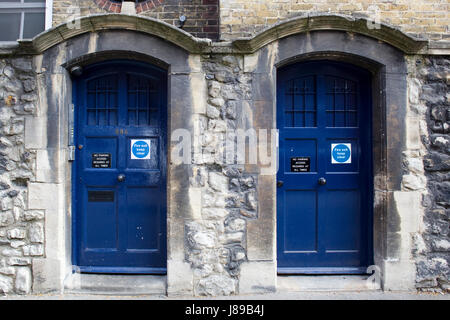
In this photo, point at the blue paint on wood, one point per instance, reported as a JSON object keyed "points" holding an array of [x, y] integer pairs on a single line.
{"points": [[120, 226], [324, 228]]}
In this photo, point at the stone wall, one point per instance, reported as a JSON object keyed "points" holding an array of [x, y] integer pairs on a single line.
{"points": [[433, 247], [240, 18], [21, 230], [215, 239], [202, 16]]}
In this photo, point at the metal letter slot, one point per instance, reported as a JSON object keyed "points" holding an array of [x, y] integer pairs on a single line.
{"points": [[101, 196]]}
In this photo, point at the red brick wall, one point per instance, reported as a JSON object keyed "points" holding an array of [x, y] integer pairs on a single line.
{"points": [[202, 16]]}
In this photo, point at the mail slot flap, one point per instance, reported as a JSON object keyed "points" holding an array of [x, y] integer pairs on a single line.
{"points": [[101, 196]]}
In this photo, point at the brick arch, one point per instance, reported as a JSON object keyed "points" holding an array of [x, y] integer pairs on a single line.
{"points": [[116, 5]]}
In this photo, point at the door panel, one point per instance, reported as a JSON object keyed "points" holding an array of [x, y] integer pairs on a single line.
{"points": [[143, 231], [102, 220], [324, 208], [120, 200], [304, 223]]}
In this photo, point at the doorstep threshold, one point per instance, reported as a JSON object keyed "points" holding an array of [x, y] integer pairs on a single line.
{"points": [[113, 284], [305, 283]]}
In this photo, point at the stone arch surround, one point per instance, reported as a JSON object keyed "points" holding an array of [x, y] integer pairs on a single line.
{"points": [[390, 137], [49, 130]]}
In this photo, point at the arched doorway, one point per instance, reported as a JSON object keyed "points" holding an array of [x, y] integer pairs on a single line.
{"points": [[119, 174], [325, 178]]}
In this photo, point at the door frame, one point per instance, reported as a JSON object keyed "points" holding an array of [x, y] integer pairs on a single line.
{"points": [[368, 223], [73, 135], [388, 78]]}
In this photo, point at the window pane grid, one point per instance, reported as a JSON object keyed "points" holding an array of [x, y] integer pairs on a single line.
{"points": [[341, 107], [102, 101], [21, 19], [301, 108], [142, 101]]}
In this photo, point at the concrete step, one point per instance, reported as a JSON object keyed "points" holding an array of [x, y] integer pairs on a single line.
{"points": [[325, 283], [115, 284]]}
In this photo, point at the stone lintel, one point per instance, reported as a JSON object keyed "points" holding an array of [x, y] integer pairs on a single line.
{"points": [[313, 22]]}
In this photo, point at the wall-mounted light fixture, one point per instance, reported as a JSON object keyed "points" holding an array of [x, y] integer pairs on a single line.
{"points": [[182, 20], [76, 71]]}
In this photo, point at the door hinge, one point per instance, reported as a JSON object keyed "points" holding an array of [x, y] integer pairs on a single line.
{"points": [[71, 153]]}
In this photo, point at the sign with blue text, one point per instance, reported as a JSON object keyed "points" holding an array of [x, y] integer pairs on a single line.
{"points": [[140, 149], [341, 153]]}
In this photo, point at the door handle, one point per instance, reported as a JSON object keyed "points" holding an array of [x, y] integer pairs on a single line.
{"points": [[121, 177], [280, 183], [322, 181]]}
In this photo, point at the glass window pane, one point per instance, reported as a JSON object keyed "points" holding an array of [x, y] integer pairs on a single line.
{"points": [[42, 1], [34, 24], [9, 0], [10, 26]]}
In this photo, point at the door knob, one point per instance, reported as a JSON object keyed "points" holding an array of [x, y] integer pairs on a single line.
{"points": [[121, 177], [322, 181], [280, 184]]}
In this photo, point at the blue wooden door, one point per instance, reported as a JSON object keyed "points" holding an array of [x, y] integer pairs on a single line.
{"points": [[324, 187], [120, 168]]}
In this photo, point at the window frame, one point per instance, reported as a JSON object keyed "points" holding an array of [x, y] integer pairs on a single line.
{"points": [[22, 7]]}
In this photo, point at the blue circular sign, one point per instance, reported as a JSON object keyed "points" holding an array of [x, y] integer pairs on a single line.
{"points": [[140, 149], [341, 153]]}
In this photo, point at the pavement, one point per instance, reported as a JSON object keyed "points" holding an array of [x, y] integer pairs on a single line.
{"points": [[328, 295], [125, 287]]}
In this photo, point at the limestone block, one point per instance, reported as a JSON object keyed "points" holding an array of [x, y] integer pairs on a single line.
{"points": [[213, 89], [42, 195], [9, 252], [47, 275], [18, 261], [257, 277], [199, 92], [23, 280], [212, 112], [179, 278], [233, 224], [195, 199], [413, 133], [9, 271], [36, 232], [33, 250], [35, 132], [408, 207], [414, 182], [5, 204], [251, 62], [30, 215], [17, 233], [218, 182], [399, 275], [6, 218], [6, 284], [218, 102], [47, 166], [216, 285]]}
